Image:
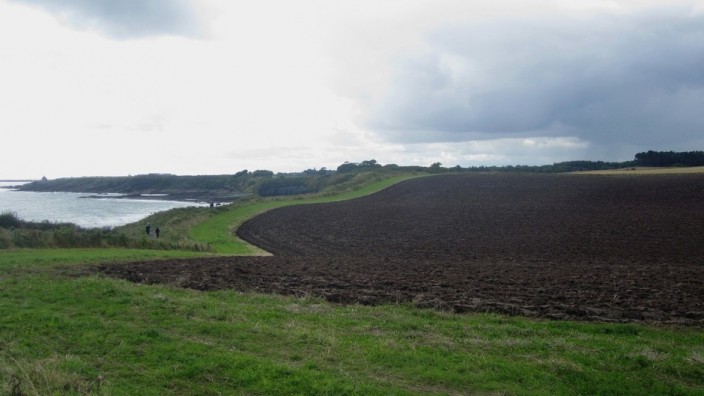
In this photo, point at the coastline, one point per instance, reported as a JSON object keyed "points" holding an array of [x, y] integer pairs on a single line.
{"points": [[195, 189]]}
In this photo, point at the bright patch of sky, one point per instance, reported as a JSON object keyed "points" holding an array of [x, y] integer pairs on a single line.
{"points": [[98, 87]]}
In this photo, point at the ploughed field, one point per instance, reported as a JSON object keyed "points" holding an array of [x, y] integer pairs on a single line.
{"points": [[605, 248]]}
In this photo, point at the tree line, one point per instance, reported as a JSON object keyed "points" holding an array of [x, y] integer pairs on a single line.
{"points": [[670, 158], [268, 183]]}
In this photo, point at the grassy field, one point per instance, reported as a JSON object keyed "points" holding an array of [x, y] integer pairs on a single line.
{"points": [[66, 334]]}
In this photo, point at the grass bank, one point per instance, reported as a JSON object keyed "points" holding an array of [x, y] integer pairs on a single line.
{"points": [[32, 258], [62, 334], [16, 233]]}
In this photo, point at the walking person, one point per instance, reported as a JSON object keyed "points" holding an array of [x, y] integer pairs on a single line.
{"points": [[157, 231], [149, 229]]}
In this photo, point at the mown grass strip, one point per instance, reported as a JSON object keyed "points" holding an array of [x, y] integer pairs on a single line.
{"points": [[94, 335], [218, 230], [33, 258]]}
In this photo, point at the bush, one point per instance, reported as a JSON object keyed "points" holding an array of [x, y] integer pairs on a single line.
{"points": [[29, 238], [9, 220], [355, 167], [5, 239], [284, 186], [262, 173]]}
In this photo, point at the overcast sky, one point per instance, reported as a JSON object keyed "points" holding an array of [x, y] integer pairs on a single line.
{"points": [[102, 87]]}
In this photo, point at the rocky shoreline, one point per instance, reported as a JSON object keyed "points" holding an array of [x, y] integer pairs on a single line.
{"points": [[185, 196]]}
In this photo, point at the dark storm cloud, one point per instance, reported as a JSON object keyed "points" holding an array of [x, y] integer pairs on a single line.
{"points": [[633, 79], [126, 18]]}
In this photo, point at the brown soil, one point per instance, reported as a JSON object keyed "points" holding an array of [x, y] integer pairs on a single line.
{"points": [[605, 248]]}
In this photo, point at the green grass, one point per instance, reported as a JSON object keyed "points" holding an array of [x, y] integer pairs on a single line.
{"points": [[218, 230], [70, 335], [21, 258], [174, 224]]}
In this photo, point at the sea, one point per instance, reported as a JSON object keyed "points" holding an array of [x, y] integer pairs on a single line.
{"points": [[82, 209]]}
